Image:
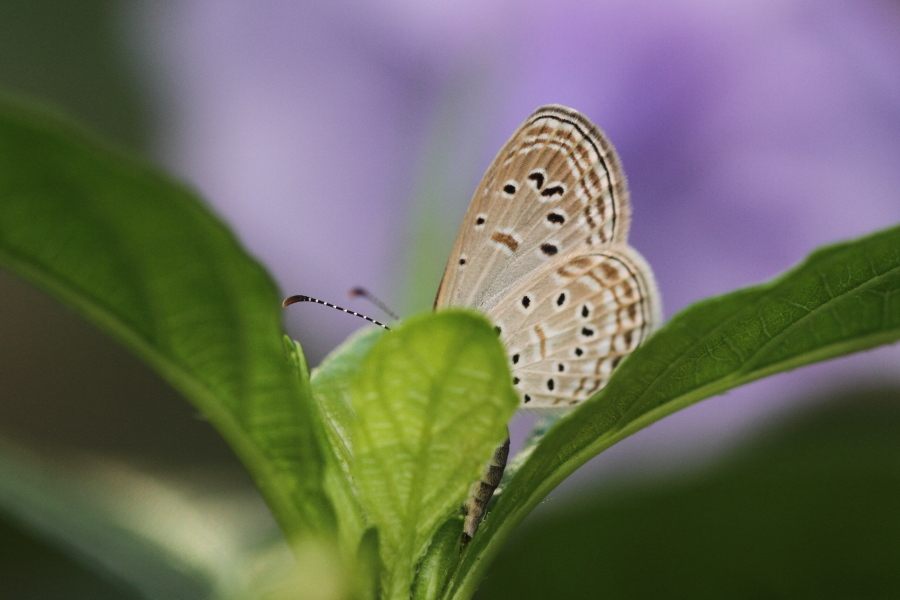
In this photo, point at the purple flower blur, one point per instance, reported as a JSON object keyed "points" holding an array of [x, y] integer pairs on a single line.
{"points": [[751, 132]]}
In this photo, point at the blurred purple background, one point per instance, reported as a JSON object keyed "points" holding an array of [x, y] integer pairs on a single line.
{"points": [[329, 134], [343, 142]]}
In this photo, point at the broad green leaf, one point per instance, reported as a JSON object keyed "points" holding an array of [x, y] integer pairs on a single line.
{"points": [[331, 387], [331, 390], [842, 299], [143, 259], [807, 509], [432, 401]]}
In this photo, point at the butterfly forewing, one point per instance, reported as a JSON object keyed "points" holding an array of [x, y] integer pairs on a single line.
{"points": [[555, 189]]}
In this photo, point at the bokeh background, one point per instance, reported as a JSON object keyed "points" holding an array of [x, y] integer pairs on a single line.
{"points": [[343, 140]]}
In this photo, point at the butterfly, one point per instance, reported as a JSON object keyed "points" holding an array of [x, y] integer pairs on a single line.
{"points": [[543, 252]]}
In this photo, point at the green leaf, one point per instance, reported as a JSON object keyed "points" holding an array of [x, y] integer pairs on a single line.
{"points": [[432, 402], [368, 566], [331, 390], [143, 259], [842, 299], [439, 560], [807, 509]]}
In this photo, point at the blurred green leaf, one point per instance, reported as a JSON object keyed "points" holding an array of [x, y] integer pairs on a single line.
{"points": [[33, 568], [166, 540], [143, 259], [432, 401], [842, 299], [79, 55], [806, 510]]}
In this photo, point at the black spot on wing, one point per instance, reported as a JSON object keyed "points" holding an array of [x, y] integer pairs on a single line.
{"points": [[538, 178], [556, 218], [556, 190]]}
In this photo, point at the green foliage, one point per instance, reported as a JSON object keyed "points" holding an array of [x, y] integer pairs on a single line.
{"points": [[331, 384], [805, 510], [72, 54], [365, 462], [142, 258], [131, 530]]}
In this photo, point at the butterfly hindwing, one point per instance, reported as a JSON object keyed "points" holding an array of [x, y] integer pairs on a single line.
{"points": [[566, 330]]}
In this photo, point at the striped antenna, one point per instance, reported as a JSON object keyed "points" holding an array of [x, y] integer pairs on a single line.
{"points": [[361, 292], [300, 298]]}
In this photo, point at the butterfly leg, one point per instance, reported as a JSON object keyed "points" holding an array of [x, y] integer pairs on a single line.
{"points": [[481, 491]]}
